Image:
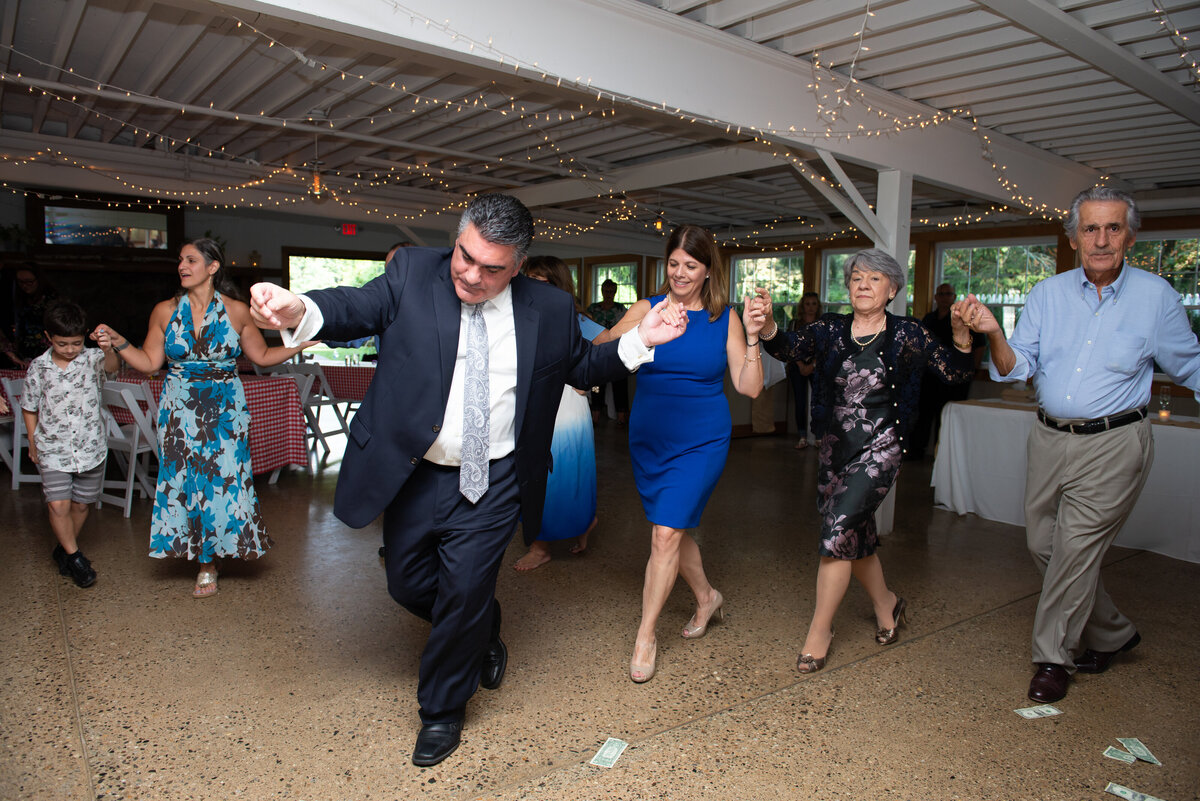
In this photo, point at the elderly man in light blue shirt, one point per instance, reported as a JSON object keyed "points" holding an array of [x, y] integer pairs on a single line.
{"points": [[1089, 339]]}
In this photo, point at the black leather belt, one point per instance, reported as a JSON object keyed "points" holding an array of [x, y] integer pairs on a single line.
{"points": [[1094, 426]]}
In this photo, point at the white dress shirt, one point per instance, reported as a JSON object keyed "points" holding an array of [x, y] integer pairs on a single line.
{"points": [[502, 374]]}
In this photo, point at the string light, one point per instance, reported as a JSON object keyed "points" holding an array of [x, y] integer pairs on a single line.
{"points": [[1180, 40], [831, 99]]}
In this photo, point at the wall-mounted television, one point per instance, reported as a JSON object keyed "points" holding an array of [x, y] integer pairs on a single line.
{"points": [[104, 225]]}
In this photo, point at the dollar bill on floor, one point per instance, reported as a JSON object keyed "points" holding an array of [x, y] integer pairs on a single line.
{"points": [[1119, 755], [609, 753], [1138, 749], [1042, 711], [1127, 794]]}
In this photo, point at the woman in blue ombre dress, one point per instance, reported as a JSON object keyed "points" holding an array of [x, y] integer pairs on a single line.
{"points": [[205, 506], [570, 509], [680, 426]]}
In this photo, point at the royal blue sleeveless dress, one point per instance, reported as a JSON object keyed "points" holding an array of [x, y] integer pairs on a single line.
{"points": [[680, 425]]}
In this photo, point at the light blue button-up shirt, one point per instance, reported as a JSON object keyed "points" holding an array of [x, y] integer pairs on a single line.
{"points": [[1091, 356]]}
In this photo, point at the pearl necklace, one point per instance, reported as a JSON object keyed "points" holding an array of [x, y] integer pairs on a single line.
{"points": [[872, 339]]}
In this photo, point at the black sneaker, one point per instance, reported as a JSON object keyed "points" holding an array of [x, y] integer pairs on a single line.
{"points": [[60, 559], [81, 569]]}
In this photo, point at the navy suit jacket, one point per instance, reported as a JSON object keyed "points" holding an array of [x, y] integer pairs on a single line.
{"points": [[414, 309]]}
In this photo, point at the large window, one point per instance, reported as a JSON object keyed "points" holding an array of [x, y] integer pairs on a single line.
{"points": [[781, 274], [308, 271], [623, 274], [834, 295], [1177, 259], [999, 274]]}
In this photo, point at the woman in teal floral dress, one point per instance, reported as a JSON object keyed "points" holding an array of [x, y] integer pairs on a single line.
{"points": [[205, 507]]}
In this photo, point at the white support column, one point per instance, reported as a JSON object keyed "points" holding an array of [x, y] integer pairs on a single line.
{"points": [[893, 207]]}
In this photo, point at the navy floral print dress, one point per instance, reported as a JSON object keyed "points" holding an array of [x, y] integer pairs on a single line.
{"points": [[859, 457], [205, 505], [865, 401]]}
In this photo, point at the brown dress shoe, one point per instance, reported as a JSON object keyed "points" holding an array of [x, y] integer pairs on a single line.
{"points": [[1098, 661], [1049, 684]]}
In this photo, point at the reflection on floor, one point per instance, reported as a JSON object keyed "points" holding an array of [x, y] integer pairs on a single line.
{"points": [[298, 680]]}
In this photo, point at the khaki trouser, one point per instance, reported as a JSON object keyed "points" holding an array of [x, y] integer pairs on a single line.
{"points": [[1079, 490]]}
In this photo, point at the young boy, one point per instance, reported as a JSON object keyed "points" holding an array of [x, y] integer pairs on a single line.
{"points": [[67, 439]]}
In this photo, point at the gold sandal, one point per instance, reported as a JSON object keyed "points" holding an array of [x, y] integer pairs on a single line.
{"points": [[206, 583]]}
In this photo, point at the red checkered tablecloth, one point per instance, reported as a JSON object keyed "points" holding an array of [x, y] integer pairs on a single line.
{"points": [[276, 419], [348, 383]]}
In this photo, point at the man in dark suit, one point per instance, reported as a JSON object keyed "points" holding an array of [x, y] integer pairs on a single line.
{"points": [[452, 442]]}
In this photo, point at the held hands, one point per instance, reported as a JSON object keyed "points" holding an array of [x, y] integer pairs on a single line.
{"points": [[274, 307], [104, 337], [662, 323], [756, 311], [970, 313]]}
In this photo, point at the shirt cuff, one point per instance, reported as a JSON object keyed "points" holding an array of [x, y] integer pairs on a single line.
{"points": [[633, 351], [308, 327]]}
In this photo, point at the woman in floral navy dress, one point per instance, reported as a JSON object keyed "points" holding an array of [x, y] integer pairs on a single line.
{"points": [[205, 507], [865, 387]]}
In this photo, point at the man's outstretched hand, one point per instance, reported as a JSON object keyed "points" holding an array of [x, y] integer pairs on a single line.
{"points": [[274, 307], [662, 323]]}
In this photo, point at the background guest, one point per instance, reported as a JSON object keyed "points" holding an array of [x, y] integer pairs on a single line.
{"points": [[32, 298], [680, 428], [570, 509], [867, 382], [607, 312], [799, 374], [934, 393], [205, 507]]}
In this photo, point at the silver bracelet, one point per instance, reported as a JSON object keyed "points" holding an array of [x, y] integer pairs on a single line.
{"points": [[774, 331]]}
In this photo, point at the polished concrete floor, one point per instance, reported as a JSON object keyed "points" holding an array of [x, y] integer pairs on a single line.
{"points": [[298, 680]]}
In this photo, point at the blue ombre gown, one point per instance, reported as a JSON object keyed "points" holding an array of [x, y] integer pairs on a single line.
{"points": [[205, 505], [680, 426], [571, 485]]}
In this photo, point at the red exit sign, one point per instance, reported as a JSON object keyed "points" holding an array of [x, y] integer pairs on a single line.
{"points": [[349, 229]]}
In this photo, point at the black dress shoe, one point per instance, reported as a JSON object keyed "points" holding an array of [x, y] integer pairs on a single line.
{"points": [[495, 660], [1049, 684], [435, 742], [1098, 661], [80, 569]]}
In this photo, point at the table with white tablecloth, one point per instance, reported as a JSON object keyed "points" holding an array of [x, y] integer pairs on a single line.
{"points": [[980, 468]]}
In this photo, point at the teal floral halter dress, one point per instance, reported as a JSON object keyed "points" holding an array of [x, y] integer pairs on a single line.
{"points": [[205, 506]]}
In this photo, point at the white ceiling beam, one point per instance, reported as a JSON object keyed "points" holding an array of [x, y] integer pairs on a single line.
{"points": [[706, 73], [843, 204], [1098, 50], [714, 163], [864, 208]]}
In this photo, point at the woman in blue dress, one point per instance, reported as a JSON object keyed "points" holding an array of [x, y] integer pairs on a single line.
{"points": [[205, 507], [570, 509], [680, 426]]}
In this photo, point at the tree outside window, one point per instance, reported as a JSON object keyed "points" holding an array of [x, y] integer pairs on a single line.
{"points": [[318, 272], [1000, 275], [781, 274]]}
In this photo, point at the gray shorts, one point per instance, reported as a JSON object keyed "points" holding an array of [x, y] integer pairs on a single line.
{"points": [[79, 487]]}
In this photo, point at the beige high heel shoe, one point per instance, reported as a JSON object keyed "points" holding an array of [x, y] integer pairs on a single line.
{"points": [[694, 631], [642, 673]]}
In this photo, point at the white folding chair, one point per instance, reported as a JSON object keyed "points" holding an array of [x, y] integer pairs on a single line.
{"points": [[19, 439], [320, 398], [304, 388], [132, 443]]}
